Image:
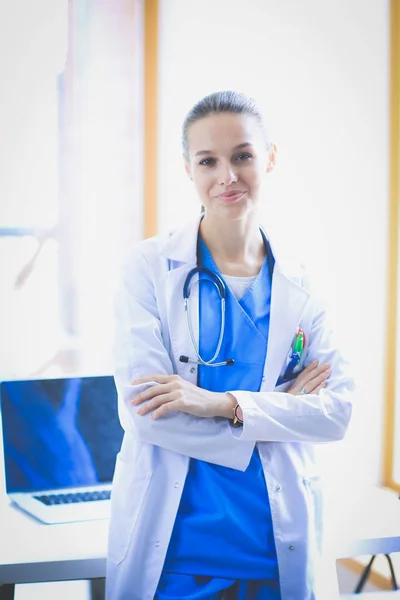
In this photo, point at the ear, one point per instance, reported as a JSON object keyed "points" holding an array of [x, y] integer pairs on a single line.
{"points": [[187, 168], [271, 157]]}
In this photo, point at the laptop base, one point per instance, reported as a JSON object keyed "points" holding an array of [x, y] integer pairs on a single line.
{"points": [[62, 513]]}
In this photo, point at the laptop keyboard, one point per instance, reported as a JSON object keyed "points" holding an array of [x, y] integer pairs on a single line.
{"points": [[52, 499]]}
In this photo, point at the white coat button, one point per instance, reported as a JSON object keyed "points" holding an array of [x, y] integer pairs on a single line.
{"points": [[193, 370], [306, 481], [176, 484], [278, 488], [157, 544], [291, 547]]}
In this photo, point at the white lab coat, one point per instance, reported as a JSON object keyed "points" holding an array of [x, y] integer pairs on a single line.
{"points": [[153, 462]]}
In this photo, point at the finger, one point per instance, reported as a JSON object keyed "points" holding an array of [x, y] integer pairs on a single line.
{"points": [[158, 378], [319, 388], [309, 380], [309, 389], [174, 405], [156, 403], [311, 366], [319, 368], [309, 374], [151, 392], [321, 378]]}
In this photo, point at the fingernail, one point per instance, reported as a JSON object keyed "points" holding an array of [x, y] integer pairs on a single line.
{"points": [[139, 411]]}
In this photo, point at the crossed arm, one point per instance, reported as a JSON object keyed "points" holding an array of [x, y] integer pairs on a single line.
{"points": [[184, 418], [175, 394]]}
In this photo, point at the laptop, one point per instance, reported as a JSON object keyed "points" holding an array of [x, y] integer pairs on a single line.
{"points": [[60, 440]]}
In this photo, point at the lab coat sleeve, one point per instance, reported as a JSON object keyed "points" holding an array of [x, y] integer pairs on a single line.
{"points": [[140, 350], [282, 417]]}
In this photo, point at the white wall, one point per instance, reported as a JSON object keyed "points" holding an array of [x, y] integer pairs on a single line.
{"points": [[320, 72]]}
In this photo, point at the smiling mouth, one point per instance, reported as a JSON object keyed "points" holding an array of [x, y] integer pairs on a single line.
{"points": [[231, 196]]}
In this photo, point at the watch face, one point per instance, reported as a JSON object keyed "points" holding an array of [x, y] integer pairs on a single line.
{"points": [[235, 415]]}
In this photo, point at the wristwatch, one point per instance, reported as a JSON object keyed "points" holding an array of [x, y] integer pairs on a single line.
{"points": [[237, 421]]}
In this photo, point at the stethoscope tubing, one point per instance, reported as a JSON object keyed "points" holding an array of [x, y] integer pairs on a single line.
{"points": [[206, 363], [221, 287]]}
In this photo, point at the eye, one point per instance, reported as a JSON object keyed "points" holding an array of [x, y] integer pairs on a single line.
{"points": [[207, 162], [243, 156]]}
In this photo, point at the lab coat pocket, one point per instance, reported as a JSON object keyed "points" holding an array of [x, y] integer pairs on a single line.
{"points": [[127, 497], [288, 371]]}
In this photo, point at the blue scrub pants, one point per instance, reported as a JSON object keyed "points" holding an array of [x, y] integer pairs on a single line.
{"points": [[188, 587]]}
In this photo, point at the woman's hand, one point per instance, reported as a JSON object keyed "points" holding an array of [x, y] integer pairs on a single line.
{"points": [[176, 394], [311, 380]]}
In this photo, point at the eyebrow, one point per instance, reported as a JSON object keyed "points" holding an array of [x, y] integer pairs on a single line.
{"points": [[244, 145]]}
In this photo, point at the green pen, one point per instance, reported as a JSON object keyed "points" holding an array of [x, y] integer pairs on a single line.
{"points": [[299, 342]]}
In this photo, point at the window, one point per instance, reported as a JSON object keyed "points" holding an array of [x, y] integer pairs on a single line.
{"points": [[71, 181], [29, 210]]}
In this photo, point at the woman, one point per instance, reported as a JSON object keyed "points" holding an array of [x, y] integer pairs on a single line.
{"points": [[216, 494]]}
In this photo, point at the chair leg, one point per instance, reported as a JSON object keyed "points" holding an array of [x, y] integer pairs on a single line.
{"points": [[7, 591], [392, 573], [364, 576], [97, 589]]}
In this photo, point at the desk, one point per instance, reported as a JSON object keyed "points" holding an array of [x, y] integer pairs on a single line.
{"points": [[362, 521], [30, 552]]}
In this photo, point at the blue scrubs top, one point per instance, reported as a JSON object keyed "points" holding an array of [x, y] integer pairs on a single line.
{"points": [[223, 527]]}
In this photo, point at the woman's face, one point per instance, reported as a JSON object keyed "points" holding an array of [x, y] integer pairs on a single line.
{"points": [[228, 160]]}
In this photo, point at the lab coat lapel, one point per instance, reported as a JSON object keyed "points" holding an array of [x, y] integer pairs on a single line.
{"points": [[181, 251], [288, 302], [177, 325]]}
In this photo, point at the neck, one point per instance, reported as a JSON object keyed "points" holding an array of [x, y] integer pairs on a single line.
{"points": [[237, 241]]}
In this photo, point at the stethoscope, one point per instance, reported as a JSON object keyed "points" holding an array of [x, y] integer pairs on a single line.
{"points": [[218, 282]]}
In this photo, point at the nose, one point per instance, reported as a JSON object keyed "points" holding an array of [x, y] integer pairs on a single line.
{"points": [[227, 174]]}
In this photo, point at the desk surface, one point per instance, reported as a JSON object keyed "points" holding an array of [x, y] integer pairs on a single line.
{"points": [[362, 521], [31, 551], [368, 523]]}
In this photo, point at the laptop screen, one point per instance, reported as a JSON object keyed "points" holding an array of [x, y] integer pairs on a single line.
{"points": [[59, 432]]}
